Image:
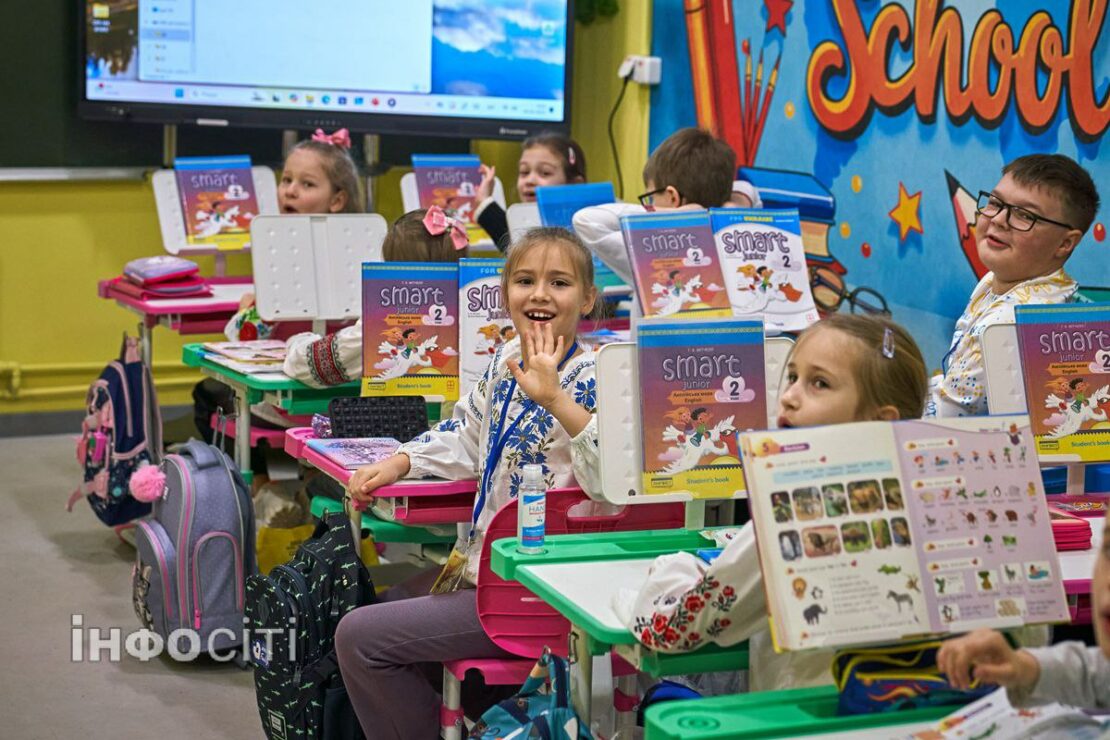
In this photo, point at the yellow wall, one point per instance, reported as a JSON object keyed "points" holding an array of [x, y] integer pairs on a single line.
{"points": [[58, 239]]}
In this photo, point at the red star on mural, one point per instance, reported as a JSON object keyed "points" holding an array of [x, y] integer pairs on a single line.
{"points": [[905, 213], [776, 13]]}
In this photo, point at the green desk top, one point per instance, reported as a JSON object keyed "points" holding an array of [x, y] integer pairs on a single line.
{"points": [[382, 530], [771, 714], [613, 546], [292, 395]]}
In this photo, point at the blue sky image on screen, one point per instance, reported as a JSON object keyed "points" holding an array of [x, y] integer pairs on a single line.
{"points": [[506, 48]]}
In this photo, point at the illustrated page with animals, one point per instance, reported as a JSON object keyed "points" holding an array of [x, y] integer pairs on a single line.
{"points": [[484, 322], [700, 382], [675, 264], [410, 331], [217, 200], [875, 531], [763, 261], [1065, 360]]}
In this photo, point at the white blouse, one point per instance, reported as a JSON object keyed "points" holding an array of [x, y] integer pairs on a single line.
{"points": [[457, 448]]}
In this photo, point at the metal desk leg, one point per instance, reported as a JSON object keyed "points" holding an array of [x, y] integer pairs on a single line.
{"points": [[356, 525], [242, 430], [581, 673], [146, 341]]}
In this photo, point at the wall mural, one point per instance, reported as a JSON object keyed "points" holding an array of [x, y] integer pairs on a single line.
{"points": [[882, 120]]}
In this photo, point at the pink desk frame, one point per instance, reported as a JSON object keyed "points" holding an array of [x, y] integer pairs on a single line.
{"points": [[206, 315], [411, 502], [1076, 567]]}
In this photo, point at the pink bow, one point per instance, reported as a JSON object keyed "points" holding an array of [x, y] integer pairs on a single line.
{"points": [[436, 221], [341, 138]]}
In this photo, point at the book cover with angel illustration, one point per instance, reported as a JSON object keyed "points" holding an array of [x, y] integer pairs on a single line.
{"points": [[764, 264], [700, 383], [450, 181], [410, 330], [675, 264], [217, 200], [1065, 359]]}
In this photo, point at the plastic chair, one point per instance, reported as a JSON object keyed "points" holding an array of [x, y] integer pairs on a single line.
{"points": [[523, 624]]}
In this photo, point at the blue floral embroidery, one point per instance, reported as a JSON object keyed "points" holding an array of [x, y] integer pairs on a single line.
{"points": [[585, 394], [449, 425]]}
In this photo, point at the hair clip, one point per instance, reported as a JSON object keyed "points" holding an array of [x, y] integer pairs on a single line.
{"points": [[341, 138], [888, 343], [436, 221], [570, 156]]}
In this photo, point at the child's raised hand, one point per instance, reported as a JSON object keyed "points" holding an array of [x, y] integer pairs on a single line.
{"points": [[371, 477], [986, 656], [246, 301], [541, 353], [485, 186]]}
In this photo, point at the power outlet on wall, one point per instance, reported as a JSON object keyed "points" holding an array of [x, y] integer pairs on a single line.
{"points": [[644, 70]]}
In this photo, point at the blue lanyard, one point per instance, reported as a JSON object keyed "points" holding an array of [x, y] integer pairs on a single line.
{"points": [[499, 440]]}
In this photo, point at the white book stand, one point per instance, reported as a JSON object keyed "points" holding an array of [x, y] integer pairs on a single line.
{"points": [[310, 267], [171, 220], [618, 424], [1005, 388]]}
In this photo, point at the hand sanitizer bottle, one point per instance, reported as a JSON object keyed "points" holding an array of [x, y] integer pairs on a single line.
{"points": [[531, 511]]}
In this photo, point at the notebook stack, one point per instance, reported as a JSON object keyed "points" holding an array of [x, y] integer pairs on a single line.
{"points": [[164, 276]]}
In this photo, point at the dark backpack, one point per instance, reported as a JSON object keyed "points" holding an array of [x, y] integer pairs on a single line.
{"points": [[297, 684], [121, 432]]}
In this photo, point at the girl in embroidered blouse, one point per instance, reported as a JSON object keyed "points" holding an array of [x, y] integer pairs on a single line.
{"points": [[845, 368], [534, 404]]}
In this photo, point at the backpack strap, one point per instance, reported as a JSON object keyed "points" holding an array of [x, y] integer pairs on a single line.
{"points": [[313, 676]]}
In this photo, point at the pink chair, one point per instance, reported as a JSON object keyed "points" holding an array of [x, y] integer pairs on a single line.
{"points": [[517, 620]]}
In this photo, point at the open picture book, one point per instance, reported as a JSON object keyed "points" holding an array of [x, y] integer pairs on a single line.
{"points": [[878, 531]]}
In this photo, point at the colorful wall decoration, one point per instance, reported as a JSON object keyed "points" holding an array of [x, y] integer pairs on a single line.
{"points": [[895, 114]]}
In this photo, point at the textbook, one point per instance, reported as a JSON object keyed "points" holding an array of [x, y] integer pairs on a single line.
{"points": [[246, 368], [764, 266], [217, 200], [1065, 361], [557, 205], [675, 264], [353, 453], [875, 531], [450, 181], [995, 717], [256, 350], [410, 329], [484, 322], [700, 382]]}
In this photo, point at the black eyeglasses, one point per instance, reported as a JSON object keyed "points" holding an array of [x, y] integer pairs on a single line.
{"points": [[829, 292], [1017, 218], [646, 199]]}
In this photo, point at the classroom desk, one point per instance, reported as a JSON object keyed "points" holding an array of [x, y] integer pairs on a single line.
{"points": [[412, 511], [186, 316], [792, 713], [584, 595], [276, 388]]}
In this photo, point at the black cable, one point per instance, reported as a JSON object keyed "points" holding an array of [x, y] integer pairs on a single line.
{"points": [[613, 139]]}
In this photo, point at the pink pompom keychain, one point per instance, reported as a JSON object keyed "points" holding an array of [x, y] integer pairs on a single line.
{"points": [[147, 483]]}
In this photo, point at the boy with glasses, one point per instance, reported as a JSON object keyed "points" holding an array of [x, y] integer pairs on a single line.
{"points": [[1026, 228], [690, 169]]}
